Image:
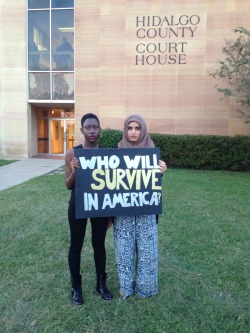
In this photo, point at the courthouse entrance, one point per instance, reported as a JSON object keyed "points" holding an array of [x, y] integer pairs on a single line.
{"points": [[55, 132]]}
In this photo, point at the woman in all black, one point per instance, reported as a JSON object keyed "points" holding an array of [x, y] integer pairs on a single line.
{"points": [[90, 128]]}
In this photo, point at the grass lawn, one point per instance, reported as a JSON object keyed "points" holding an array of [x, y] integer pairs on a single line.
{"points": [[5, 162], [204, 261]]}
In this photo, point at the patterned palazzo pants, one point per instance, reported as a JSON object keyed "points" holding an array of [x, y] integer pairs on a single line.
{"points": [[136, 246]]}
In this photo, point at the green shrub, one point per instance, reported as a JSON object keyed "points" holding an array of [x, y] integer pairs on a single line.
{"points": [[110, 138], [207, 152]]}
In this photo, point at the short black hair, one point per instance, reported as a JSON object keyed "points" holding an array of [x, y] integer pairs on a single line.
{"points": [[87, 116]]}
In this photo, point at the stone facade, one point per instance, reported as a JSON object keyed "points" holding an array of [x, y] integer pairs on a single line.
{"points": [[131, 56]]}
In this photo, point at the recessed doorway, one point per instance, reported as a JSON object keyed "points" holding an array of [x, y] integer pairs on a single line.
{"points": [[56, 131]]}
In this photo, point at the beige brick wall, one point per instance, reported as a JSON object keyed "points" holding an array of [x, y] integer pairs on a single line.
{"points": [[174, 98], [13, 86]]}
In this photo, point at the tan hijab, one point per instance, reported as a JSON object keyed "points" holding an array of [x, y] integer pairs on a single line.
{"points": [[144, 139]]}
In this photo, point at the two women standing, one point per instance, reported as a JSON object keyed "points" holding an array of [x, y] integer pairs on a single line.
{"points": [[135, 237]]}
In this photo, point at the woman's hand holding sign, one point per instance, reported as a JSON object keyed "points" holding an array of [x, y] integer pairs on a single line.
{"points": [[74, 163], [162, 166]]}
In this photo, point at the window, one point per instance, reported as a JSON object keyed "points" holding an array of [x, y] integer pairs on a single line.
{"points": [[39, 40], [62, 3], [51, 50], [38, 4], [62, 39]]}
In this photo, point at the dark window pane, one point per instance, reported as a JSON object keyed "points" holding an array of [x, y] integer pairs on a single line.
{"points": [[38, 40], [63, 86], [39, 86], [62, 4], [62, 40], [34, 56], [38, 4]]}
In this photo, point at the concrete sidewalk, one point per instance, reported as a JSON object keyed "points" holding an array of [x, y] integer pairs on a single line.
{"points": [[21, 171]]}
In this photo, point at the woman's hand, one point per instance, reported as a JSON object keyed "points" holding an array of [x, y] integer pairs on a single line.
{"points": [[74, 164], [162, 166]]}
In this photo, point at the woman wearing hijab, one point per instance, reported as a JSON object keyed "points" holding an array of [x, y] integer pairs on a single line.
{"points": [[135, 237]]}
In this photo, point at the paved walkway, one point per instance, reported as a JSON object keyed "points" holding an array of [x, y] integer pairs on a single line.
{"points": [[21, 171]]}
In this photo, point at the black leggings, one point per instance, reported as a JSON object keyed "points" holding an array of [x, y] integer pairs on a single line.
{"points": [[77, 234]]}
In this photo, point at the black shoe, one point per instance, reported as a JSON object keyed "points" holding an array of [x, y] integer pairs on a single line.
{"points": [[101, 287], [76, 295]]}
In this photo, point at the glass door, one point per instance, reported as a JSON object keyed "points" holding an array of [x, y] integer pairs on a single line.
{"points": [[69, 134], [56, 136], [61, 135]]}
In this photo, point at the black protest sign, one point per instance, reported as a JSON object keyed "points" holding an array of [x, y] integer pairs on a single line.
{"points": [[118, 182]]}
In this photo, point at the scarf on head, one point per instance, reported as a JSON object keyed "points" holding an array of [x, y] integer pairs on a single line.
{"points": [[144, 139]]}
